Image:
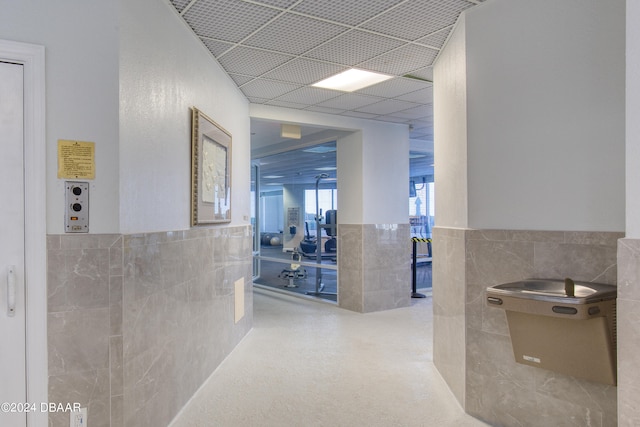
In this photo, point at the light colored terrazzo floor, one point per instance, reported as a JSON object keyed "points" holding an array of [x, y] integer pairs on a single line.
{"points": [[313, 364]]}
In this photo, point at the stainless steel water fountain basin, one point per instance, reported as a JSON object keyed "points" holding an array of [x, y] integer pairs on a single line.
{"points": [[561, 325]]}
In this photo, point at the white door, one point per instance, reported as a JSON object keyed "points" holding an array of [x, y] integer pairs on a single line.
{"points": [[12, 247]]}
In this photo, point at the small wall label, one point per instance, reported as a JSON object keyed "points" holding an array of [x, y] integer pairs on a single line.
{"points": [[531, 359]]}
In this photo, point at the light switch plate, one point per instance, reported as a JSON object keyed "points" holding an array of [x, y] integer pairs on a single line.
{"points": [[76, 207]]}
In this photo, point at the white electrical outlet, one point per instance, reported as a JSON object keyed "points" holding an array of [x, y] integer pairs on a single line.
{"points": [[78, 418]]}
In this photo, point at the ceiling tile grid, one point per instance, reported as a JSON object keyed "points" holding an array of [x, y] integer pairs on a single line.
{"points": [[394, 88], [268, 89], [251, 62], [216, 47], [240, 79], [350, 101], [402, 60], [344, 11], [275, 49], [294, 34], [412, 20], [284, 4], [436, 39], [387, 106], [227, 20], [309, 95], [304, 71], [421, 96], [353, 47]]}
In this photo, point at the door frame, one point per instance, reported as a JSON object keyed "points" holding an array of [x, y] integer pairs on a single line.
{"points": [[33, 60]]}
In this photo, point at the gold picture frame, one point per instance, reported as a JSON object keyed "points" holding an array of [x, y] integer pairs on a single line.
{"points": [[210, 171]]}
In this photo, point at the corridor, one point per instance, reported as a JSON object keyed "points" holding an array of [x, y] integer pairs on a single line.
{"points": [[312, 364]]}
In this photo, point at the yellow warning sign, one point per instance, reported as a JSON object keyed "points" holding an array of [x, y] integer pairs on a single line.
{"points": [[76, 159]]}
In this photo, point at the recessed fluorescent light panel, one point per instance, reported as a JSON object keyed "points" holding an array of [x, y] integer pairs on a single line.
{"points": [[326, 168], [352, 80]]}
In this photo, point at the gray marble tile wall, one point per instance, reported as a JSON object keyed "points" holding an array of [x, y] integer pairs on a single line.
{"points": [[448, 284], [138, 322], [628, 332], [374, 267], [496, 388], [84, 290]]}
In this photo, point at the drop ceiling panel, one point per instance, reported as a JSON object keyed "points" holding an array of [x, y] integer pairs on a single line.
{"points": [[325, 110], [353, 47], [349, 101], [394, 88], [426, 17], [309, 95], [255, 100], [267, 89], [415, 112], [388, 106], [240, 79], [253, 62], [275, 49], [436, 39], [286, 104], [279, 3], [422, 96], [304, 71], [359, 115], [180, 4], [402, 60], [229, 20], [294, 34], [350, 12], [425, 73], [217, 47], [392, 119]]}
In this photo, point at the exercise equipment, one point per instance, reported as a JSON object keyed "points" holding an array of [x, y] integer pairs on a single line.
{"points": [[331, 245], [308, 244], [319, 253], [294, 272]]}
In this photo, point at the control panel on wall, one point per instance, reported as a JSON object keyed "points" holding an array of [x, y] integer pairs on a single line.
{"points": [[77, 207]]}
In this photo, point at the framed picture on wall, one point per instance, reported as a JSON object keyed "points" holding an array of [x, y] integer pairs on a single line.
{"points": [[210, 171]]}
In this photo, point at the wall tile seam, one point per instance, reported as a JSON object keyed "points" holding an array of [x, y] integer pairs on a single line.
{"points": [[86, 241], [157, 237], [607, 238], [78, 310]]}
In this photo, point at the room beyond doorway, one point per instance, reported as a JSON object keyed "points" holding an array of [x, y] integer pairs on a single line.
{"points": [[295, 208]]}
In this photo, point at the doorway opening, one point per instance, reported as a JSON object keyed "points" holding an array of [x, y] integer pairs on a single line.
{"points": [[294, 215], [422, 214]]}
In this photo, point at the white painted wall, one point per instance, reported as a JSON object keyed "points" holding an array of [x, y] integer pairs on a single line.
{"points": [[632, 122], [164, 70], [385, 163], [543, 114], [377, 165], [124, 75], [350, 175], [81, 48], [545, 106], [450, 132]]}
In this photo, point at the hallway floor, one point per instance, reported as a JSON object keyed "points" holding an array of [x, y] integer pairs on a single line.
{"points": [[310, 363]]}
